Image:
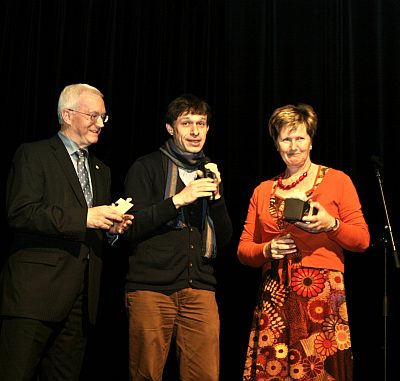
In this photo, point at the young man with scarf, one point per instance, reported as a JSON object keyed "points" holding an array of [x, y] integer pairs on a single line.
{"points": [[180, 219]]}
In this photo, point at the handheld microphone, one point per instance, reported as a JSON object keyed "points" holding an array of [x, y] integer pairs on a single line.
{"points": [[207, 172]]}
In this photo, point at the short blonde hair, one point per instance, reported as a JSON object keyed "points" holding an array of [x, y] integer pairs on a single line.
{"points": [[290, 115]]}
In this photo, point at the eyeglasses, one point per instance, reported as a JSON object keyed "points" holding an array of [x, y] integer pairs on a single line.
{"points": [[93, 116]]}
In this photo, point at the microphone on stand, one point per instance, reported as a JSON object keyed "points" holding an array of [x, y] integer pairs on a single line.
{"points": [[377, 163]]}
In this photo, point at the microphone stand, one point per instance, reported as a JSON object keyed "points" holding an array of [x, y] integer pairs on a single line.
{"points": [[388, 227]]}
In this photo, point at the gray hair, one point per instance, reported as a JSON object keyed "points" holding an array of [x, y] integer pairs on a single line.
{"points": [[70, 95]]}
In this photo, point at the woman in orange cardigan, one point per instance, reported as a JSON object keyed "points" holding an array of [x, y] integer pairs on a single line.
{"points": [[300, 329]]}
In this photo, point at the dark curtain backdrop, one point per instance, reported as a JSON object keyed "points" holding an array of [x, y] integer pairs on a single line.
{"points": [[246, 58]]}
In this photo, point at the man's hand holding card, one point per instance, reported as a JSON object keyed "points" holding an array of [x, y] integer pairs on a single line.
{"points": [[122, 206]]}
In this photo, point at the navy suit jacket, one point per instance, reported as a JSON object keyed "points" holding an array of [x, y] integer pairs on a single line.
{"points": [[47, 212]]}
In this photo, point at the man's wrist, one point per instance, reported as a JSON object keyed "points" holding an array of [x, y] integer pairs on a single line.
{"points": [[176, 202]]}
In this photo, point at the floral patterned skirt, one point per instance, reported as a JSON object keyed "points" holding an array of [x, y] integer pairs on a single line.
{"points": [[300, 331]]}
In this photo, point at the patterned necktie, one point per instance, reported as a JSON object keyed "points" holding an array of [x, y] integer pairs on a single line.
{"points": [[84, 177]]}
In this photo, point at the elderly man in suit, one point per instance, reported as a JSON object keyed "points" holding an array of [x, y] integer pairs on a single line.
{"points": [[49, 285]]}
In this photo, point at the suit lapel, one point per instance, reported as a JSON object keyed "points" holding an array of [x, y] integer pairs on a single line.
{"points": [[64, 160], [98, 177], [94, 175]]}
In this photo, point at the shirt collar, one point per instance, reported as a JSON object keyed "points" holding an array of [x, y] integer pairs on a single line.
{"points": [[70, 145]]}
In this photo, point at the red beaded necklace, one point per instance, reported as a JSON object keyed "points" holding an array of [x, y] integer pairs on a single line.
{"points": [[294, 183]]}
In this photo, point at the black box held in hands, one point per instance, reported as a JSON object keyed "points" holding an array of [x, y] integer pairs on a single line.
{"points": [[295, 209]]}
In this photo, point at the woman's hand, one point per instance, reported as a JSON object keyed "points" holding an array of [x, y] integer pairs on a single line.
{"points": [[317, 223], [278, 247]]}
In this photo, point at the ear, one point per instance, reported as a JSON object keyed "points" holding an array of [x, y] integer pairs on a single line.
{"points": [[66, 116], [170, 129]]}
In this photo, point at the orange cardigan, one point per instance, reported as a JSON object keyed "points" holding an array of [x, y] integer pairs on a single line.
{"points": [[338, 195]]}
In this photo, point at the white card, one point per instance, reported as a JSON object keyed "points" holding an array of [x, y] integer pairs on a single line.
{"points": [[123, 205]]}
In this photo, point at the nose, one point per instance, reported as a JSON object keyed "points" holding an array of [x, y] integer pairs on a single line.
{"points": [[99, 121], [293, 144], [195, 130]]}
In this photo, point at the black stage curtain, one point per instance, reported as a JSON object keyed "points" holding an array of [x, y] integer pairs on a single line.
{"points": [[246, 57]]}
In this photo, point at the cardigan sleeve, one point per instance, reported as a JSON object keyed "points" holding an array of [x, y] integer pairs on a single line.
{"points": [[144, 184], [250, 248], [353, 233]]}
